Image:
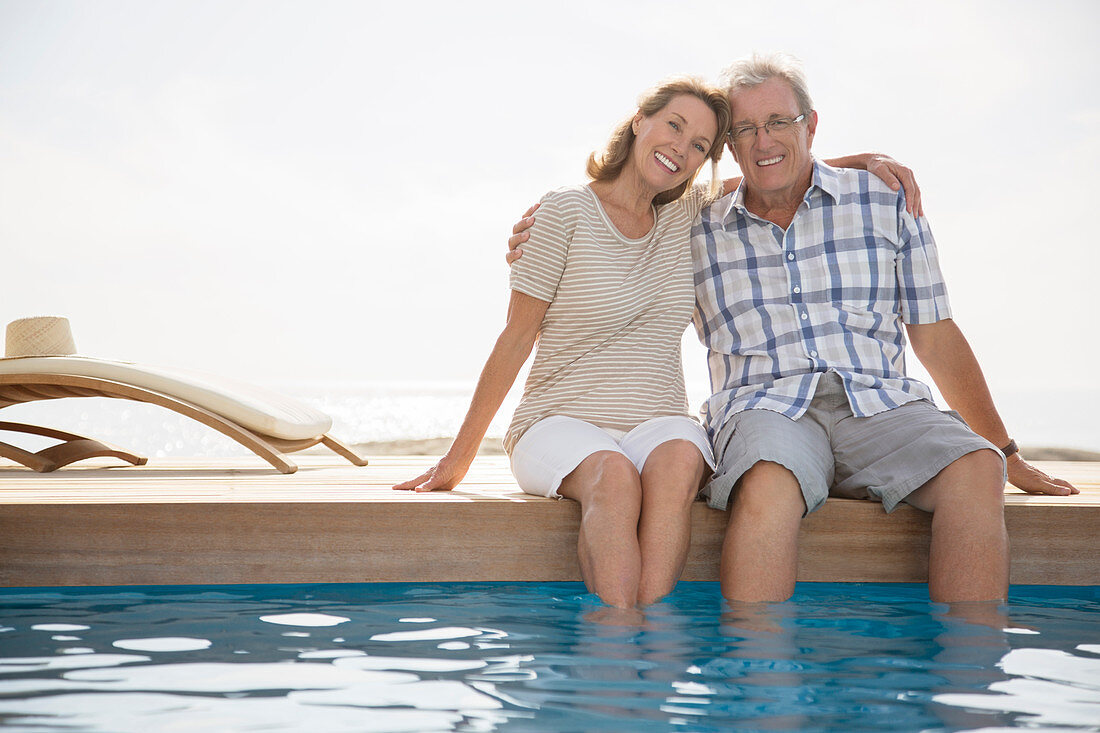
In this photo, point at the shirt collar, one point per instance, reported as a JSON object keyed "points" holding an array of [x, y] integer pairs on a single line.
{"points": [[824, 177], [827, 179]]}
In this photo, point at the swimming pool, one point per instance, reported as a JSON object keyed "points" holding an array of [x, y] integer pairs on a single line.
{"points": [[541, 657]]}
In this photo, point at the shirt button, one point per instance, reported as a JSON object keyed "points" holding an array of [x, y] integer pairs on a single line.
{"points": [[797, 289], [790, 255], [805, 316], [813, 354]]}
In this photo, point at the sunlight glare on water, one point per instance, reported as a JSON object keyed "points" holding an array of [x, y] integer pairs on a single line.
{"points": [[480, 657]]}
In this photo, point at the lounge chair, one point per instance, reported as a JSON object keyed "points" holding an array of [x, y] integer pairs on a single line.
{"points": [[265, 422]]}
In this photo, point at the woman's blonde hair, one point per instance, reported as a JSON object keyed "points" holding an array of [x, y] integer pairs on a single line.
{"points": [[607, 165]]}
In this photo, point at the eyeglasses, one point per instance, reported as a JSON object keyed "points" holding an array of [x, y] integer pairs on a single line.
{"points": [[779, 126]]}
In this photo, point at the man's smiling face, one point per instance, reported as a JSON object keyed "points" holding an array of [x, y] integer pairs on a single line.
{"points": [[773, 164]]}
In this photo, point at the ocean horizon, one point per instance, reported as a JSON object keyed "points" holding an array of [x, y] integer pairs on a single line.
{"points": [[378, 412]]}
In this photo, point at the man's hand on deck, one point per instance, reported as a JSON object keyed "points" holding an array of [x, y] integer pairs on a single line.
{"points": [[520, 235], [1027, 477], [443, 476]]}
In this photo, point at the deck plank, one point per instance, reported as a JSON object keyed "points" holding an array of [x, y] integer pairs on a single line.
{"points": [[235, 520]]}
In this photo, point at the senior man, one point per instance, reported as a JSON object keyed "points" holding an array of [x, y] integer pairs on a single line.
{"points": [[808, 281]]}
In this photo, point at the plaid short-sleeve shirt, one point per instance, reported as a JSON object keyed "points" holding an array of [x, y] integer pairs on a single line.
{"points": [[777, 309]]}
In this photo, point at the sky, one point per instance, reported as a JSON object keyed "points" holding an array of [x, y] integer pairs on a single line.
{"points": [[288, 191]]}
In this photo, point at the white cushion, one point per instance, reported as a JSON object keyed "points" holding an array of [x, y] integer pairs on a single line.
{"points": [[260, 410]]}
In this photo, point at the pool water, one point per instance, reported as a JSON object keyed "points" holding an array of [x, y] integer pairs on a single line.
{"points": [[542, 657]]}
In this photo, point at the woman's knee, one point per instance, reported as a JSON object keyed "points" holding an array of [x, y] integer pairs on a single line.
{"points": [[604, 475], [676, 460]]}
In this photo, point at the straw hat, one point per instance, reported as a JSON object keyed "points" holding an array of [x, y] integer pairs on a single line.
{"points": [[39, 336]]}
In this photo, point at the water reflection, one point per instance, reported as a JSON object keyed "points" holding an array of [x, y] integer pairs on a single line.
{"points": [[525, 657], [304, 619], [163, 644], [1048, 687]]}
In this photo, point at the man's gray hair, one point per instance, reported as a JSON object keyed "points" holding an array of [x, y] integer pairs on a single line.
{"points": [[754, 70]]}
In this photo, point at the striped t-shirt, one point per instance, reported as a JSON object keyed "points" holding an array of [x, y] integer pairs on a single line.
{"points": [[609, 346]]}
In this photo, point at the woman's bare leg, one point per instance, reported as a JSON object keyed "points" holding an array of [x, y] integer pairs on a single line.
{"points": [[609, 490], [671, 478]]}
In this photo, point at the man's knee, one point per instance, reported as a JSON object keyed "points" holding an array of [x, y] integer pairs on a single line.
{"points": [[983, 473], [767, 488], [972, 482]]}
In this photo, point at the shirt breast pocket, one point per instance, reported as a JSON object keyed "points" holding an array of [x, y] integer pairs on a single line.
{"points": [[862, 274]]}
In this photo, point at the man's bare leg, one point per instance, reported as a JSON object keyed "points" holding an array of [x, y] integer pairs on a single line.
{"points": [[670, 482], [760, 549], [609, 491], [968, 559]]}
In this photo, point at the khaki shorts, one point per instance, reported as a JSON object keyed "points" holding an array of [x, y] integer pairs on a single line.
{"points": [[832, 452]]}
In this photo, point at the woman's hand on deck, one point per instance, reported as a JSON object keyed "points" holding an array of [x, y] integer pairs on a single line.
{"points": [[1027, 477], [520, 235], [443, 476]]}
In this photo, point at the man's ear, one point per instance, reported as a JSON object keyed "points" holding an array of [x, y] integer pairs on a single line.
{"points": [[811, 127], [733, 150]]}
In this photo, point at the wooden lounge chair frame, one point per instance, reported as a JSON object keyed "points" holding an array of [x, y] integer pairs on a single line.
{"points": [[28, 387]]}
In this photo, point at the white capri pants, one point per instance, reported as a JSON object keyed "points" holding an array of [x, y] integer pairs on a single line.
{"points": [[554, 446]]}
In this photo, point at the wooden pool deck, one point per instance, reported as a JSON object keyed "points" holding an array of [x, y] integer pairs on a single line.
{"points": [[207, 521]]}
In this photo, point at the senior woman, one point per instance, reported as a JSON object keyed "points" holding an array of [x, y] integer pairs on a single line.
{"points": [[605, 287]]}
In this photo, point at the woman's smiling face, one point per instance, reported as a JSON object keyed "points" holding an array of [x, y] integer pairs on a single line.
{"points": [[672, 143]]}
